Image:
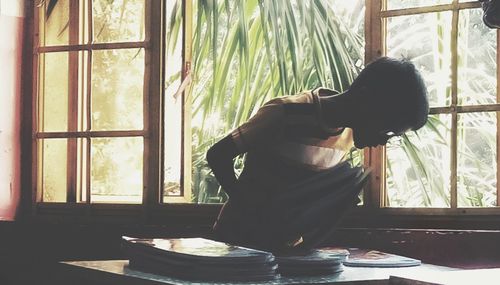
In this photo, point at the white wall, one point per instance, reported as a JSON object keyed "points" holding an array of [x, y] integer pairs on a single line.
{"points": [[11, 27]]}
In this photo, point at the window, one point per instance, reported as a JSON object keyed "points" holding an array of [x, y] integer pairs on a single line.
{"points": [[247, 52], [451, 163], [97, 71], [131, 94], [112, 126]]}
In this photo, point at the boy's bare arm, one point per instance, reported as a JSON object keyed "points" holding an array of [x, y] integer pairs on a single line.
{"points": [[220, 158]]}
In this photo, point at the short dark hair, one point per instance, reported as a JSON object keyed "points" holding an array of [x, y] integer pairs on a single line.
{"points": [[396, 87]]}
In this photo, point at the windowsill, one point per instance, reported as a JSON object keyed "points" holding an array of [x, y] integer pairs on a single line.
{"points": [[424, 218], [53, 241], [205, 215]]}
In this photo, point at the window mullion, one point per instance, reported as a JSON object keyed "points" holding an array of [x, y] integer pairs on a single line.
{"points": [[498, 118], [153, 91], [37, 191], [454, 102], [186, 153], [90, 134], [465, 109], [375, 157], [430, 9], [88, 100], [93, 46], [74, 29]]}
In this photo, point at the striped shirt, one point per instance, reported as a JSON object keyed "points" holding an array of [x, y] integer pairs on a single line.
{"points": [[291, 129]]}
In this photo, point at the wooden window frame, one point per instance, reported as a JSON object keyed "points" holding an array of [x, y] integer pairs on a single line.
{"points": [[376, 21], [153, 211], [152, 90]]}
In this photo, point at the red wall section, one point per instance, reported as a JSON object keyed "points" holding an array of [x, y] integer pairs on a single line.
{"points": [[11, 27]]}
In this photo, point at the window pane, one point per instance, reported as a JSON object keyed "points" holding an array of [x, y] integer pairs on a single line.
{"points": [[118, 20], [477, 53], [81, 170], [477, 167], [425, 40], [52, 169], [116, 170], [398, 4], [306, 45], [418, 166], [117, 89], [53, 23], [173, 104], [82, 104], [53, 97]]}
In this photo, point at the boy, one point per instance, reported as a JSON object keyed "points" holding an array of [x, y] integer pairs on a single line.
{"points": [[295, 146]]}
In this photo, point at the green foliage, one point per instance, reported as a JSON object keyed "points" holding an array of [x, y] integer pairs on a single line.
{"points": [[247, 52], [420, 166]]}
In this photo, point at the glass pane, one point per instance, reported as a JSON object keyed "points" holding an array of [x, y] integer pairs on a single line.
{"points": [[173, 105], [117, 89], [306, 45], [52, 163], [116, 170], [418, 166], [54, 23], [425, 39], [82, 104], [477, 53], [398, 4], [53, 97], [81, 170], [352, 15], [477, 156], [118, 20]]}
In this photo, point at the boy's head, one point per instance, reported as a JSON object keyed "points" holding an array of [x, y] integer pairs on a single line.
{"points": [[391, 98]]}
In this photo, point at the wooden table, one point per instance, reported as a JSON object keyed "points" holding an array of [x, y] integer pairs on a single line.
{"points": [[117, 272]]}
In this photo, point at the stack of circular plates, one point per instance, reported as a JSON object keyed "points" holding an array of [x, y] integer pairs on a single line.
{"points": [[199, 259], [315, 262]]}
